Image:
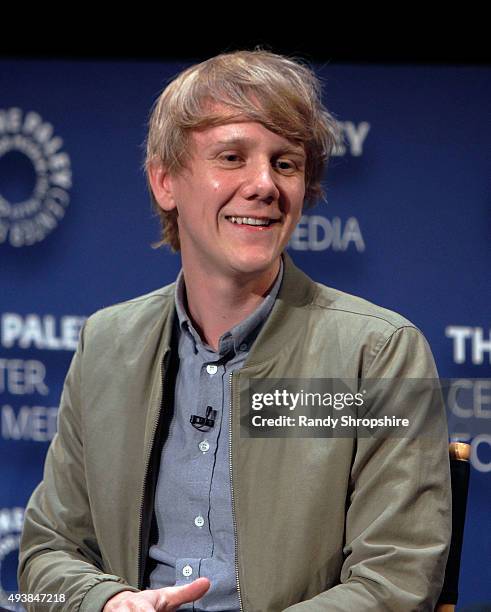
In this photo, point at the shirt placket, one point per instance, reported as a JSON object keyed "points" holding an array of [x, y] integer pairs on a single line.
{"points": [[210, 394]]}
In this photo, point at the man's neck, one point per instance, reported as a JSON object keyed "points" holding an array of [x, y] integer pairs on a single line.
{"points": [[220, 303]]}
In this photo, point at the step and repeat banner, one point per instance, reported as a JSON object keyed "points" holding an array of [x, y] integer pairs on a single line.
{"points": [[406, 225]]}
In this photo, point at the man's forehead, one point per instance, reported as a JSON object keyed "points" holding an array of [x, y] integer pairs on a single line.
{"points": [[241, 131]]}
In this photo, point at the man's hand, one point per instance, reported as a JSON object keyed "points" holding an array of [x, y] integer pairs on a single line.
{"points": [[167, 599]]}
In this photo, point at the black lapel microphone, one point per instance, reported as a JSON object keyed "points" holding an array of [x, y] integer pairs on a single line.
{"points": [[198, 422]]}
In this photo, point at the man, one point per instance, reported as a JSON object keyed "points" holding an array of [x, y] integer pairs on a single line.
{"points": [[141, 509]]}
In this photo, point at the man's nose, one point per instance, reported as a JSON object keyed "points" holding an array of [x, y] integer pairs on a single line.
{"points": [[260, 183]]}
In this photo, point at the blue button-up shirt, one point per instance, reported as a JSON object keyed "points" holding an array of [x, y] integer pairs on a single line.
{"points": [[193, 503]]}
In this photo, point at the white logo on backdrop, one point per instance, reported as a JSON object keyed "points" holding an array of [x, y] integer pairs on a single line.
{"points": [[46, 332], [353, 138], [11, 520], [317, 233], [31, 219], [468, 419], [475, 349]]}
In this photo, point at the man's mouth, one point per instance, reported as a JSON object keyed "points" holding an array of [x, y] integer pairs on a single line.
{"points": [[262, 221]]}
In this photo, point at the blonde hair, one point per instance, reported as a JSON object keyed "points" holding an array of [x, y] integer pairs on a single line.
{"points": [[281, 93]]}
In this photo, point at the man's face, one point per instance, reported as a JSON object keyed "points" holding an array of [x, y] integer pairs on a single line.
{"points": [[238, 200]]}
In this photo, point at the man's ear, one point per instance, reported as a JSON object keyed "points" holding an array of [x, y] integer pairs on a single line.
{"points": [[161, 183]]}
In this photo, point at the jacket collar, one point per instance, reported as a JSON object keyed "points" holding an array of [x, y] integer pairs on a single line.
{"points": [[297, 291]]}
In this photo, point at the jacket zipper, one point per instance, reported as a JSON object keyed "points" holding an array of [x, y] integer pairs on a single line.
{"points": [[145, 478], [232, 494]]}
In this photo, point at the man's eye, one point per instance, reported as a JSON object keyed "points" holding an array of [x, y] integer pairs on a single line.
{"points": [[285, 165], [230, 157]]}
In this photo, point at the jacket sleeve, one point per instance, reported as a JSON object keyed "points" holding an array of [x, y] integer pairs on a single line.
{"points": [[398, 518], [59, 553]]}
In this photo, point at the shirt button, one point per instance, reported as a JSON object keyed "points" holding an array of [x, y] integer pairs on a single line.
{"points": [[204, 446], [187, 570], [199, 521], [211, 369]]}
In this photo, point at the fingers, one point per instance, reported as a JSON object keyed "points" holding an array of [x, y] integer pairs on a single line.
{"points": [[129, 601], [167, 599], [173, 597]]}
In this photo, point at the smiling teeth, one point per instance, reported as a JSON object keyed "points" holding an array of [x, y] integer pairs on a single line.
{"points": [[249, 221]]}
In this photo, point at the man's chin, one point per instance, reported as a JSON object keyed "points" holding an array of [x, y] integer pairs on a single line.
{"points": [[255, 265]]}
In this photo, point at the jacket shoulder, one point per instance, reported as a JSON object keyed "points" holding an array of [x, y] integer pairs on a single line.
{"points": [[132, 316], [366, 332], [354, 310]]}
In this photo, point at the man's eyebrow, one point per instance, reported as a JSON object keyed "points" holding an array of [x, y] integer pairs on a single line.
{"points": [[288, 148]]}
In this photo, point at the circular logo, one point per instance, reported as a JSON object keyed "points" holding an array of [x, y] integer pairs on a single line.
{"points": [[11, 520], [35, 178]]}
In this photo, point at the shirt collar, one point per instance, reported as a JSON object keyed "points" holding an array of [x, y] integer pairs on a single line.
{"points": [[242, 335]]}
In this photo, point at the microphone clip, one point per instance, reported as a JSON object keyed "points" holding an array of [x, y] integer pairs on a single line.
{"points": [[198, 422]]}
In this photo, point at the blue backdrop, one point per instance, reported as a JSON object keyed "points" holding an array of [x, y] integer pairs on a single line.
{"points": [[406, 226]]}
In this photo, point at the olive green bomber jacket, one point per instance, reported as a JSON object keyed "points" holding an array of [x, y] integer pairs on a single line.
{"points": [[321, 524]]}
